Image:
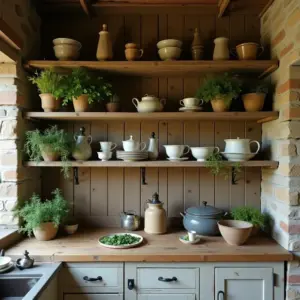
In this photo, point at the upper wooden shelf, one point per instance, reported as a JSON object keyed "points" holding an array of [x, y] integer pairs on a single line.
{"points": [[179, 68], [260, 117]]}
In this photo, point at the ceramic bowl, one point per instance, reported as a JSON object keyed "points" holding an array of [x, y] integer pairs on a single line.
{"points": [[202, 153], [66, 52], [235, 232], [71, 229], [4, 261], [60, 41], [104, 156], [176, 151], [169, 43], [169, 53], [238, 156]]}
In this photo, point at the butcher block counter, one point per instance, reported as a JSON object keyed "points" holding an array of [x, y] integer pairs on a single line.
{"points": [[83, 247]]}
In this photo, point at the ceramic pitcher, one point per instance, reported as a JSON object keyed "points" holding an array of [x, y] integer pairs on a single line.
{"points": [[153, 147], [104, 50], [221, 51], [83, 150]]}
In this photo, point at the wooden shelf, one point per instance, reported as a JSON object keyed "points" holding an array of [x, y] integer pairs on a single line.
{"points": [[149, 164], [260, 117], [178, 68]]}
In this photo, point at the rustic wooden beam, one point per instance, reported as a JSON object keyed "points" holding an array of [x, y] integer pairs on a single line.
{"points": [[87, 7], [10, 36], [266, 7], [223, 5]]}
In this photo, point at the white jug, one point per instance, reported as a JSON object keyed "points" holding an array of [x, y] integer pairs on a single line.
{"points": [[240, 145]]}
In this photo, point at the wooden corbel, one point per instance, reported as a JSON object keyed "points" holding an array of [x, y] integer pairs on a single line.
{"points": [[87, 7], [223, 5]]}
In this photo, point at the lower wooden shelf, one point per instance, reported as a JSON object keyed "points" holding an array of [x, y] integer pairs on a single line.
{"points": [[149, 164]]}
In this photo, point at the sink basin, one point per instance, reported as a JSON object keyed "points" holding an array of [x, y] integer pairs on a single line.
{"points": [[13, 287]]}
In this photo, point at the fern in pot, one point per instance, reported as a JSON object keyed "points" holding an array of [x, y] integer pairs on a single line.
{"points": [[83, 90], [219, 91], [42, 218], [50, 86], [49, 145]]}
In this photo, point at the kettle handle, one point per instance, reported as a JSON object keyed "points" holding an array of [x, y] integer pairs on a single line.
{"points": [[18, 263], [182, 214]]}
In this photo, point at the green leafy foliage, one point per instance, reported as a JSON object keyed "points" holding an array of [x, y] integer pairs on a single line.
{"points": [[52, 139], [223, 86], [119, 240], [250, 214], [80, 82], [34, 212], [48, 81]]}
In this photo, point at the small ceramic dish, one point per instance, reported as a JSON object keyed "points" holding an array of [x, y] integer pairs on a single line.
{"points": [[71, 229], [191, 109], [169, 53], [7, 268], [238, 156], [169, 43], [4, 261], [184, 239], [104, 156]]}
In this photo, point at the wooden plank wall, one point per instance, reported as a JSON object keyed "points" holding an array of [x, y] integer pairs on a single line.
{"points": [[103, 193]]}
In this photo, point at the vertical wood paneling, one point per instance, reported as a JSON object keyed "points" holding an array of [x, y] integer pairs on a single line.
{"points": [[149, 38], [237, 33], [208, 33]]}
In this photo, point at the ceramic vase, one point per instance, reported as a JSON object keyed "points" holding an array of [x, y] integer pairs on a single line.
{"points": [[104, 50]]}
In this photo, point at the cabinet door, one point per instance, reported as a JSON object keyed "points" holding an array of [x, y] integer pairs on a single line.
{"points": [[244, 283], [92, 297], [166, 297]]}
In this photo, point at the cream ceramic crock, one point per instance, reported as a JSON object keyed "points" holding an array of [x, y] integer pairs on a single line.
{"points": [[149, 103], [240, 146]]}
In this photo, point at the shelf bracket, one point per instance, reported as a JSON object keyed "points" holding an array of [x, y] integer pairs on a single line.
{"points": [[143, 171], [223, 5], [75, 173]]}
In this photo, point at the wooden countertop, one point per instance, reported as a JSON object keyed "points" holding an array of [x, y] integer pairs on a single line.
{"points": [[83, 247]]}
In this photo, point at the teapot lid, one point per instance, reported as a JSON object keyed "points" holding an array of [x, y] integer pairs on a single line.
{"points": [[130, 139], [155, 199], [203, 210], [152, 135]]}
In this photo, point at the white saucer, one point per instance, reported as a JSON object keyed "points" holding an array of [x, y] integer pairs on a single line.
{"points": [[190, 109], [178, 159], [197, 240], [3, 270]]}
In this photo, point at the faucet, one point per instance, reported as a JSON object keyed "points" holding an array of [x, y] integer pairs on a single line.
{"points": [[2, 252]]}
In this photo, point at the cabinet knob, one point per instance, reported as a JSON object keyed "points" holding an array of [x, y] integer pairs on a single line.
{"points": [[221, 293], [86, 278], [167, 279], [130, 284]]}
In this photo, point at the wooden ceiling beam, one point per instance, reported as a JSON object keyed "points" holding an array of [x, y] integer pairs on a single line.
{"points": [[223, 5]]}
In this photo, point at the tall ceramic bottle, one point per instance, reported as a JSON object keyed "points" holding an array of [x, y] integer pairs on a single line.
{"points": [[153, 147], [104, 50]]}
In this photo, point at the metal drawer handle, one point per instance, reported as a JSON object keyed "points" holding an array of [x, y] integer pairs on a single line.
{"points": [[219, 294], [86, 278], [167, 279]]}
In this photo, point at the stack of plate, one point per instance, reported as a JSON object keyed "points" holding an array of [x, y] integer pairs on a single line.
{"points": [[132, 155]]}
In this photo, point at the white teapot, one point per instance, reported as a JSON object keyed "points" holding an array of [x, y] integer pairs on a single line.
{"points": [[149, 103], [132, 145], [240, 146]]}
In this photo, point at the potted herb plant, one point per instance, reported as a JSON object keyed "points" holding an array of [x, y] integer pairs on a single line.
{"points": [[42, 218], [49, 84], [220, 91], [50, 145], [83, 89], [114, 104], [254, 95]]}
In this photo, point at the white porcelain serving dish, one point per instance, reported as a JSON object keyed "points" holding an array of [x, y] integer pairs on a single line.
{"points": [[132, 145], [176, 151], [104, 156], [188, 242], [132, 155], [240, 145], [238, 156], [122, 246], [202, 153], [169, 43], [169, 53]]}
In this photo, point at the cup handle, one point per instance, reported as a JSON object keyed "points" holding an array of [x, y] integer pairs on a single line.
{"points": [[201, 102], [217, 149], [141, 53], [258, 145], [135, 102], [114, 146], [233, 52], [90, 138], [181, 102], [188, 149], [163, 101], [143, 146], [262, 49]]}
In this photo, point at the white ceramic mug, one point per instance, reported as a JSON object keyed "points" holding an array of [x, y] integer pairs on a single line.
{"points": [[108, 146], [190, 102], [202, 153], [176, 151]]}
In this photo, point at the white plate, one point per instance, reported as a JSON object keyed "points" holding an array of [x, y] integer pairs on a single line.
{"points": [[3, 270], [190, 109], [4, 261], [238, 156], [122, 246], [177, 159], [197, 240]]}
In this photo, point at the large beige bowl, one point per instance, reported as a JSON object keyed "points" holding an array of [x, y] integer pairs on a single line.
{"points": [[60, 41], [169, 43], [235, 232], [66, 52], [169, 53]]}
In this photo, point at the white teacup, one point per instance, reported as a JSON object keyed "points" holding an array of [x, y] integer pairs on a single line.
{"points": [[108, 146], [176, 151], [202, 153], [104, 156], [190, 102]]}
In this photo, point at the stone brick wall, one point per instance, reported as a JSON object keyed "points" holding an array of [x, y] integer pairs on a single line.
{"points": [[16, 182], [280, 28]]}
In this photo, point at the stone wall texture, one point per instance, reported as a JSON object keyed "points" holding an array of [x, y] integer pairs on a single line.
{"points": [[280, 28]]}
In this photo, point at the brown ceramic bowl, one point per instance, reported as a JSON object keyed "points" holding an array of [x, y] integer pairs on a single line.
{"points": [[235, 232]]}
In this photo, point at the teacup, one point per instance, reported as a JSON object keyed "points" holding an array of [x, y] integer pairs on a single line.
{"points": [[176, 151], [104, 156], [108, 146], [191, 102], [136, 146], [133, 54], [202, 153]]}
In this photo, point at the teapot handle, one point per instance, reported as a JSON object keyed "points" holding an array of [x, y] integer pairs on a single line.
{"points": [[217, 150], [163, 101], [188, 149], [75, 137], [89, 138], [258, 145], [135, 102], [141, 53], [143, 146]]}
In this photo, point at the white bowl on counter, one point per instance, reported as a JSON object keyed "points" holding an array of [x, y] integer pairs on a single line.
{"points": [[169, 43], [238, 156], [169, 53]]}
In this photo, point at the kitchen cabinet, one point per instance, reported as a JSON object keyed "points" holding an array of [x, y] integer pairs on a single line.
{"points": [[92, 297], [167, 297], [244, 283]]}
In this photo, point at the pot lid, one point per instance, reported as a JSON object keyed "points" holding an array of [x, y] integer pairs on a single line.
{"points": [[130, 139], [203, 210]]}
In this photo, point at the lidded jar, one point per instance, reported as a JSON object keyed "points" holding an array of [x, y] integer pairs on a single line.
{"points": [[104, 50], [155, 216], [83, 149]]}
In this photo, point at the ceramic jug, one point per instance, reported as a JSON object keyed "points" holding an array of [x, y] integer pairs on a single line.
{"points": [[240, 146], [149, 103], [155, 216], [221, 51], [104, 50], [153, 147], [83, 150]]}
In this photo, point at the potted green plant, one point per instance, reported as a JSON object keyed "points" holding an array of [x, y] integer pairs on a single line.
{"points": [[49, 84], [220, 91], [83, 89], [252, 215], [49, 145], [254, 94], [113, 104], [42, 218]]}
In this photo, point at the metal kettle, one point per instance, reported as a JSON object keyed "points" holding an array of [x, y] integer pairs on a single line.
{"points": [[130, 220], [26, 262]]}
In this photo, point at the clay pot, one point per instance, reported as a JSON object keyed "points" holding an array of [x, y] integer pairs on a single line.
{"points": [[219, 105], [112, 107], [49, 102], [45, 232], [248, 51], [71, 229], [48, 154], [235, 232], [254, 101], [81, 104]]}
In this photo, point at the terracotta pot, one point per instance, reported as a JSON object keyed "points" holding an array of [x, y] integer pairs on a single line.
{"points": [[235, 232], [254, 101], [112, 107], [45, 232], [81, 104], [49, 102], [48, 154], [248, 51], [219, 105]]}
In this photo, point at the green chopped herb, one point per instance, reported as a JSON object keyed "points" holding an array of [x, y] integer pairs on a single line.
{"points": [[120, 240], [186, 238]]}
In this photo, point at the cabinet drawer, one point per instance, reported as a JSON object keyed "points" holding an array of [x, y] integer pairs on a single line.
{"points": [[92, 297], [167, 278]]}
